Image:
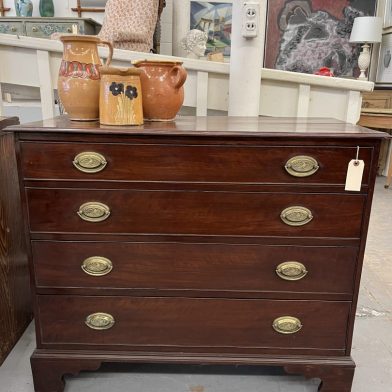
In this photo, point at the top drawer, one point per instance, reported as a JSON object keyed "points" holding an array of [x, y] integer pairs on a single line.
{"points": [[190, 163], [13, 27], [45, 30]]}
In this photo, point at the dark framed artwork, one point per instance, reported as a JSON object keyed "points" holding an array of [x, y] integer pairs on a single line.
{"points": [[215, 19], [305, 35]]}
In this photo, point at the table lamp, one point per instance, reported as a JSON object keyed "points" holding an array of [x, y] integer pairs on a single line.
{"points": [[366, 30]]}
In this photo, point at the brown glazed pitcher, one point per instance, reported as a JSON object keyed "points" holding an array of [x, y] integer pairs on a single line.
{"points": [[162, 86], [79, 76]]}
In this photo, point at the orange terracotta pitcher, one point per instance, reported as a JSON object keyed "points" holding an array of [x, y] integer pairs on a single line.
{"points": [[162, 86], [79, 76]]}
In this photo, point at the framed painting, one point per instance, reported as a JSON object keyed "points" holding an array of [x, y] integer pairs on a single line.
{"points": [[384, 70], [388, 14], [215, 19], [305, 35]]}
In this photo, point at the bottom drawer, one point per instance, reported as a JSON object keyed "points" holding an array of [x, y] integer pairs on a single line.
{"points": [[180, 323]]}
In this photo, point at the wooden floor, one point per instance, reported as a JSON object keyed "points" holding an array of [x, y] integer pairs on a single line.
{"points": [[372, 342]]}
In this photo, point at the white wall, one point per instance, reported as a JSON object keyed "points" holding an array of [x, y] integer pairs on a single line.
{"points": [[63, 9]]}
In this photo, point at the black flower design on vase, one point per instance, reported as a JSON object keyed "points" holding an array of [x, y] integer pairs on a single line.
{"points": [[131, 92], [116, 88]]}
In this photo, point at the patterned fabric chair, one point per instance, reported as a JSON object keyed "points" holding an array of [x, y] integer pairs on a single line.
{"points": [[131, 24]]}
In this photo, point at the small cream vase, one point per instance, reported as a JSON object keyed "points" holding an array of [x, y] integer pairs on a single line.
{"points": [[120, 101]]}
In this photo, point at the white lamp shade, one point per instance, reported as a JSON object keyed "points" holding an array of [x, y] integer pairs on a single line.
{"points": [[367, 29]]}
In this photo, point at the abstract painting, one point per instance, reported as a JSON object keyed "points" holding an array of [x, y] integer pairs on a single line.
{"points": [[305, 35], [214, 19]]}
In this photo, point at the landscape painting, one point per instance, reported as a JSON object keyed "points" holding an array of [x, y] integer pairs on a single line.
{"points": [[305, 35]]}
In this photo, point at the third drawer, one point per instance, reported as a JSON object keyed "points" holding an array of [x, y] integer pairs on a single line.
{"points": [[246, 270]]}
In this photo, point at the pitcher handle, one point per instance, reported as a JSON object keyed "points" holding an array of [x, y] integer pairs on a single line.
{"points": [[110, 46], [178, 76]]}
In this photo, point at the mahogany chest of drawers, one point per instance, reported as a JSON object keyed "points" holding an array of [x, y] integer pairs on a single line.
{"points": [[207, 240], [15, 304]]}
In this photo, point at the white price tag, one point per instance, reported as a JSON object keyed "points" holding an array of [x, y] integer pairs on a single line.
{"points": [[354, 175]]}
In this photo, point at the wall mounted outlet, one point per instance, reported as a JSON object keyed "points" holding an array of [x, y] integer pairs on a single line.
{"points": [[250, 19]]}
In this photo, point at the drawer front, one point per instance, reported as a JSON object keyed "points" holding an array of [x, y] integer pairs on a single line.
{"points": [[186, 322], [194, 213], [11, 28], [182, 163], [45, 30], [199, 267]]}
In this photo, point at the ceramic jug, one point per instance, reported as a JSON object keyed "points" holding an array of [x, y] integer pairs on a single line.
{"points": [[121, 97], [163, 91], [79, 76]]}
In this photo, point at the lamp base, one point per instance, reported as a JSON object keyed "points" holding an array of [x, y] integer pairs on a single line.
{"points": [[364, 61]]}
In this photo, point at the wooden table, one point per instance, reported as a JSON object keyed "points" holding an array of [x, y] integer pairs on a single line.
{"points": [[379, 119]]}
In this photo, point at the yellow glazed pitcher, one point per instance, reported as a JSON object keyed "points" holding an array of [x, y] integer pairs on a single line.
{"points": [[120, 97]]}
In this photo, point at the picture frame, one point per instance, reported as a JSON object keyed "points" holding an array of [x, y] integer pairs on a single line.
{"points": [[214, 17], [303, 36], [388, 14], [384, 69]]}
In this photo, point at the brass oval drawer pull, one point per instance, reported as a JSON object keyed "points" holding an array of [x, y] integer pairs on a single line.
{"points": [[34, 29], [13, 29], [94, 212], [97, 266], [287, 325], [90, 162], [100, 321], [291, 270], [296, 216], [302, 166]]}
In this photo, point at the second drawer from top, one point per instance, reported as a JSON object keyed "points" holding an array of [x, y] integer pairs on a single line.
{"points": [[195, 213]]}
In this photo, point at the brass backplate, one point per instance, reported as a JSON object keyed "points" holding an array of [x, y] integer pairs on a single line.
{"points": [[90, 162], [94, 212], [296, 216], [302, 166], [287, 325], [100, 321]]}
